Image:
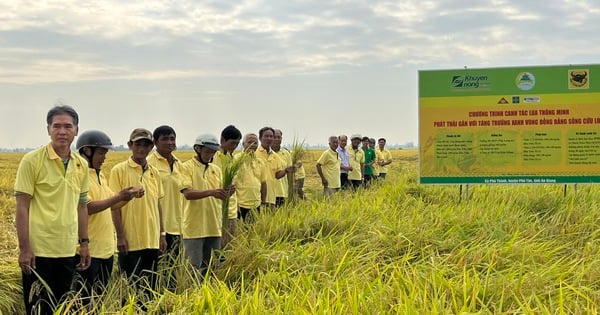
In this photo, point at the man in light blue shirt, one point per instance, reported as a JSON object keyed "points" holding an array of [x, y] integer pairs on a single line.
{"points": [[345, 165]]}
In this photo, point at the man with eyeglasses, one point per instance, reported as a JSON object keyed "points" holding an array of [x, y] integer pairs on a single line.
{"points": [[141, 236]]}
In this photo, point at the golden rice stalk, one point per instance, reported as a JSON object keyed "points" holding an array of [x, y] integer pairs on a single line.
{"points": [[297, 152], [229, 168]]}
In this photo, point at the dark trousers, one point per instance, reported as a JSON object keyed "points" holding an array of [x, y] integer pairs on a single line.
{"points": [[279, 201], [345, 183], [356, 183], [300, 188], [172, 260], [95, 277], [368, 180], [246, 214], [57, 273], [140, 264], [174, 244]]}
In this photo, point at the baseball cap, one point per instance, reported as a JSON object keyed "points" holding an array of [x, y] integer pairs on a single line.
{"points": [[139, 134], [355, 136], [208, 141]]}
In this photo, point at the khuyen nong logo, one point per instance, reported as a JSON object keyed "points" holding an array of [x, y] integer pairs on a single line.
{"points": [[525, 81], [579, 79], [470, 82]]}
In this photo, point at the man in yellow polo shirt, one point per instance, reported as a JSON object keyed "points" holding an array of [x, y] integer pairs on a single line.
{"points": [[230, 139], [141, 237], [251, 180], [51, 190], [385, 158], [274, 164], [328, 167], [93, 146], [281, 192], [170, 169], [357, 161], [202, 216]]}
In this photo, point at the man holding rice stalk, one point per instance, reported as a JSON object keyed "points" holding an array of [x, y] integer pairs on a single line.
{"points": [[328, 168], [230, 139], [251, 181], [203, 214], [51, 191], [286, 159]]}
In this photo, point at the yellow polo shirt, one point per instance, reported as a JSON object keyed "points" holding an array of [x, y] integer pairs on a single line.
{"points": [[273, 164], [172, 182], [376, 166], [248, 181], [300, 172], [101, 230], [357, 157], [55, 197], [330, 166], [202, 217], [286, 160], [140, 216], [385, 155], [218, 160]]}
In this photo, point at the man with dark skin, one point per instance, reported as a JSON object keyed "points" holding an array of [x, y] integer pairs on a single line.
{"points": [[273, 162]]}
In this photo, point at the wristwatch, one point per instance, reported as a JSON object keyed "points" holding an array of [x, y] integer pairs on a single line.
{"points": [[84, 240]]}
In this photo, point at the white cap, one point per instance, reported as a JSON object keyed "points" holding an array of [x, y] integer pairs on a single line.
{"points": [[208, 141]]}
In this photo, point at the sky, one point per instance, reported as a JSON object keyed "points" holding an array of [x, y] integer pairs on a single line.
{"points": [[310, 68]]}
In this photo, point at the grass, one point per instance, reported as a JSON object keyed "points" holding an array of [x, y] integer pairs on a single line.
{"points": [[398, 248]]}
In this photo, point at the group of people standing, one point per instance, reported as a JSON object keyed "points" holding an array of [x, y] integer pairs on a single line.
{"points": [[70, 220], [344, 166]]}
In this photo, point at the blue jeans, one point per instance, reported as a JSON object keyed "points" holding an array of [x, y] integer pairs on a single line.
{"points": [[199, 251]]}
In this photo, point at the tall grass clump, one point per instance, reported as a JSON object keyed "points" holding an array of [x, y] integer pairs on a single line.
{"points": [[297, 152], [230, 166]]}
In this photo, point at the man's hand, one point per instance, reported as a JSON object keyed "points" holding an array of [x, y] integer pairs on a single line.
{"points": [[325, 183], [162, 244], [86, 259], [127, 193], [122, 245], [26, 260]]}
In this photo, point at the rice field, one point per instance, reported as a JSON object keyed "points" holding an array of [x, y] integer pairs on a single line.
{"points": [[397, 248]]}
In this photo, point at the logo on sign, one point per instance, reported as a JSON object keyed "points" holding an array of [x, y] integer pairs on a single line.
{"points": [[525, 81]]}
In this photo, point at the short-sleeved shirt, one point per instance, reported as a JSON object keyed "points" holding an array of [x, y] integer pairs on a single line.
{"points": [[300, 172], [218, 159], [100, 225], [330, 166], [344, 156], [172, 181], [286, 160], [56, 193], [369, 157], [274, 164], [386, 156], [202, 217], [140, 216], [376, 166], [357, 157], [251, 175]]}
